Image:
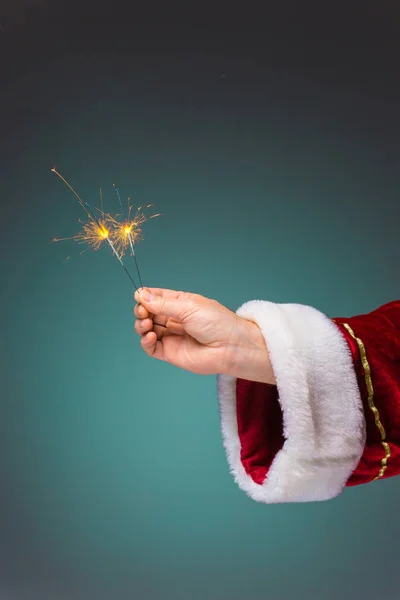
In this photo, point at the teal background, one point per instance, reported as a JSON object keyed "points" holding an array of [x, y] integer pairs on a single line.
{"points": [[274, 183]]}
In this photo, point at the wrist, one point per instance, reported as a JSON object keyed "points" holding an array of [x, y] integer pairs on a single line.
{"points": [[249, 357]]}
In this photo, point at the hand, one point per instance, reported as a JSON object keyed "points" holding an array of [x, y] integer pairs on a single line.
{"points": [[200, 335]]}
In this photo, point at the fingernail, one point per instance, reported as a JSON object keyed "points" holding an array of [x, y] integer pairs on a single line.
{"points": [[146, 296]]}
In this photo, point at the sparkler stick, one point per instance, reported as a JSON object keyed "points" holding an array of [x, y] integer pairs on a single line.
{"points": [[94, 238], [128, 232]]}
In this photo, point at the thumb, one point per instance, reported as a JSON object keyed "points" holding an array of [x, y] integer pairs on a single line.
{"points": [[176, 306]]}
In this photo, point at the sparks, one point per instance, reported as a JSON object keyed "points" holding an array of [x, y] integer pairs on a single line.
{"points": [[96, 230], [125, 234], [128, 232], [92, 233]]}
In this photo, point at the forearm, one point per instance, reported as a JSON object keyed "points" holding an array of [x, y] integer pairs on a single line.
{"points": [[248, 357]]}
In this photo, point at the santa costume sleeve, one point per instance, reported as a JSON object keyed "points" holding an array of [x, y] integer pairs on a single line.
{"points": [[333, 418]]}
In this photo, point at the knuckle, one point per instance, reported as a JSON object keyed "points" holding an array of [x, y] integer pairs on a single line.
{"points": [[162, 304], [191, 307], [147, 325]]}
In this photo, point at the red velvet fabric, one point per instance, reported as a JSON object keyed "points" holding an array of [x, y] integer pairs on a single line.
{"points": [[260, 426], [259, 416], [379, 333]]}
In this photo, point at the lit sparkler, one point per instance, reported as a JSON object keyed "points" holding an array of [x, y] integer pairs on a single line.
{"points": [[128, 231], [96, 230], [93, 234]]}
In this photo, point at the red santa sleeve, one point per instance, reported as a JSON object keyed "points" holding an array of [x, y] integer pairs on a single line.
{"points": [[333, 418]]}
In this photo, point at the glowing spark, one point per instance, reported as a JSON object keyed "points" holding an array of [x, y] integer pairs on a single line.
{"points": [[94, 231], [127, 232], [93, 234]]}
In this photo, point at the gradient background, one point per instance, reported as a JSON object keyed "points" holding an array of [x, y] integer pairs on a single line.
{"points": [[271, 146]]}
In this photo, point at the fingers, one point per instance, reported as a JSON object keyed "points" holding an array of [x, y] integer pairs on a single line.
{"points": [[168, 303], [163, 329], [140, 312], [149, 343], [152, 346], [170, 306], [164, 293], [142, 326]]}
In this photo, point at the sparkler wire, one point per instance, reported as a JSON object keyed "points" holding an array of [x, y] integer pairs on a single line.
{"points": [[95, 219], [131, 243]]}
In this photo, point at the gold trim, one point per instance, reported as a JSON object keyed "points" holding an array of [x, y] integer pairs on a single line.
{"points": [[370, 389]]}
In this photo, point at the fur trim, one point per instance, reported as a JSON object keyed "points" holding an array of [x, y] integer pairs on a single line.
{"points": [[323, 419]]}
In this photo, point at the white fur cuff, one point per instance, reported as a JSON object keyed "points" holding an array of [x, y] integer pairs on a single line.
{"points": [[323, 419]]}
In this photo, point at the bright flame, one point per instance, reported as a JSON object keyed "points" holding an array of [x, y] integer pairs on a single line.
{"points": [[92, 233], [125, 234]]}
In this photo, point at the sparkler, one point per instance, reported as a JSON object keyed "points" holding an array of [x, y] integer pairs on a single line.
{"points": [[128, 229], [95, 230], [93, 233], [104, 233]]}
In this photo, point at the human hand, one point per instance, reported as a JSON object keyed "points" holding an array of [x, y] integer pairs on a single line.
{"points": [[200, 335]]}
